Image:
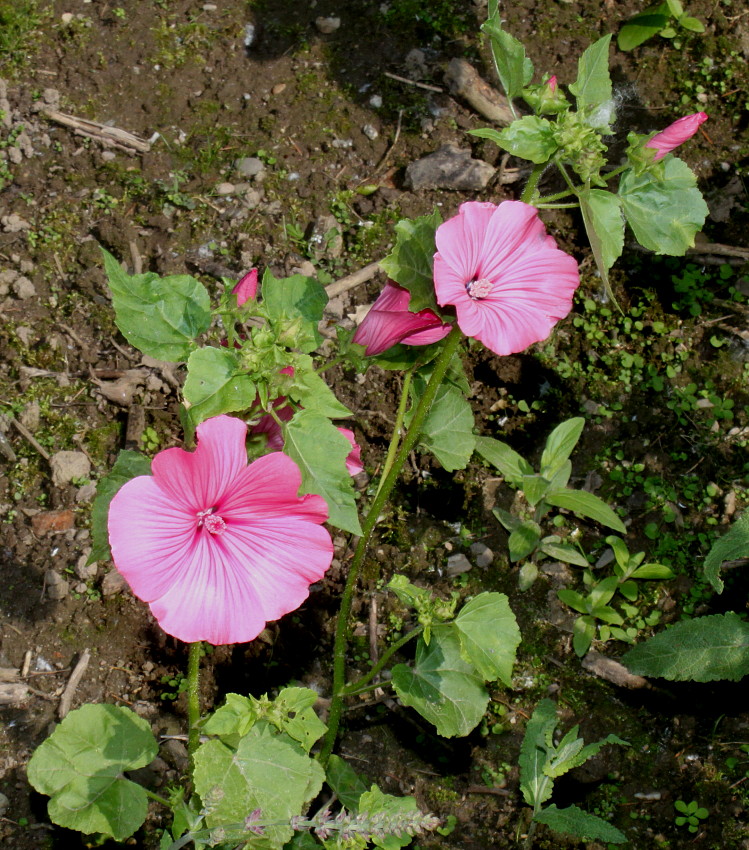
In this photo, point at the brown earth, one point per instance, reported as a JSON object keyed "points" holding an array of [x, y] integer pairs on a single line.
{"points": [[206, 85]]}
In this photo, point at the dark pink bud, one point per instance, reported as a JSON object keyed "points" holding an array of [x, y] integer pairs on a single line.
{"points": [[676, 134], [246, 288], [552, 84]]}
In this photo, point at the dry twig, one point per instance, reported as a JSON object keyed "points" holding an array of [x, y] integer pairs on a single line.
{"points": [[66, 699]]}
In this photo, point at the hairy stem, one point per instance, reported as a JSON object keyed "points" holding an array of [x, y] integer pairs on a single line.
{"points": [[193, 697], [378, 503], [530, 186], [395, 438]]}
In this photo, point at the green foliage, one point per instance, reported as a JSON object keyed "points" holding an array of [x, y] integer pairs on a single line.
{"points": [[604, 226], [530, 137], [320, 451], [411, 261], [161, 316], [592, 88], [128, 465], [80, 767], [345, 782], [542, 761], [294, 307], [215, 384], [701, 650], [691, 814], [514, 68], [658, 20], [664, 212], [596, 604], [734, 544], [447, 431]]}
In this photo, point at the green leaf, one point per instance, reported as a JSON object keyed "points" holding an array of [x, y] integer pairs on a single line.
{"points": [[292, 713], [563, 552], [529, 137], [128, 465], [675, 8], [534, 783], [509, 521], [560, 444], [701, 650], [691, 24], [604, 225], [583, 633], [574, 821], [312, 392], [295, 306], [524, 540], [505, 459], [574, 600], [411, 262], [160, 316], [215, 384], [534, 488], [487, 133], [734, 544], [659, 572], [320, 451], [664, 214], [489, 635], [592, 88], [443, 687], [80, 767], [374, 802], [527, 575], [267, 771], [640, 29], [346, 783], [514, 68], [447, 431], [586, 504]]}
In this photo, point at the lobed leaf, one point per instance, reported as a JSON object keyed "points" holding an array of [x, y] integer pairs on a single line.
{"points": [[514, 68], [411, 262], [447, 431], [160, 316], [295, 306], [80, 767], [215, 384], [443, 687], [529, 137], [733, 544], [489, 636], [345, 782], [592, 88]]}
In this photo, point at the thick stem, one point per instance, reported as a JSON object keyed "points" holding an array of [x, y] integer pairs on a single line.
{"points": [[193, 698], [378, 503], [530, 186]]}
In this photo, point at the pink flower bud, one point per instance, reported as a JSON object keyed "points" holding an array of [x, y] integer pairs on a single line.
{"points": [[246, 288], [676, 134], [552, 84]]}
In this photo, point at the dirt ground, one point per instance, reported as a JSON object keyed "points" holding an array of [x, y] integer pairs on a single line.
{"points": [[257, 133]]}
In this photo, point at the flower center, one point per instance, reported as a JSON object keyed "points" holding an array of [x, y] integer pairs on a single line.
{"points": [[479, 289], [211, 521]]}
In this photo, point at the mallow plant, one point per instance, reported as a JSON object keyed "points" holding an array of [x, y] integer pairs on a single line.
{"points": [[228, 533]]}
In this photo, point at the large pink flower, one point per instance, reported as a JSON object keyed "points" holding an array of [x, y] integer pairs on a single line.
{"points": [[390, 322], [676, 134], [507, 279], [217, 547]]}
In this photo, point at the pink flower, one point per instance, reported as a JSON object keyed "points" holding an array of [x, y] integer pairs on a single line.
{"points": [[246, 288], [353, 461], [217, 547], [505, 276], [552, 84], [390, 322], [676, 134]]}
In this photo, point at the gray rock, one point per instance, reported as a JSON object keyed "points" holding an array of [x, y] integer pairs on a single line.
{"points": [[370, 131], [327, 25], [57, 587], [449, 168], [69, 465], [483, 554], [457, 564], [14, 223], [249, 166], [112, 583], [23, 288], [31, 416], [85, 571], [225, 189]]}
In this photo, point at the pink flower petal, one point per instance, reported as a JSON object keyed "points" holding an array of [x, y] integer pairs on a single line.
{"points": [[522, 283], [353, 461], [390, 322], [246, 288], [676, 134], [236, 549]]}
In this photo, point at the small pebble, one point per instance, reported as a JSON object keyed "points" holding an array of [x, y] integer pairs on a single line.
{"points": [[375, 101], [278, 88], [370, 131], [225, 189], [56, 586], [23, 288], [457, 564], [327, 25]]}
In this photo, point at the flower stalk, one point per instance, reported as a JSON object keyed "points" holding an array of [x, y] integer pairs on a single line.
{"points": [[441, 365], [193, 697]]}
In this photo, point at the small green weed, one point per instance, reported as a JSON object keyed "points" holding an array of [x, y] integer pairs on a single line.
{"points": [[691, 814]]}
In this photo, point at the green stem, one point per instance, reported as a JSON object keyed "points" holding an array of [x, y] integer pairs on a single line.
{"points": [[353, 687], [378, 503], [530, 186], [193, 697], [329, 365], [370, 687], [157, 798], [395, 439], [540, 206]]}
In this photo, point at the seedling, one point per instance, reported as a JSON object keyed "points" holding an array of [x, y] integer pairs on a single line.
{"points": [[691, 814], [663, 20], [542, 761]]}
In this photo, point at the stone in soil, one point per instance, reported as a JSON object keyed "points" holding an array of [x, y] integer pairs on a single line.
{"points": [[69, 465], [450, 167], [48, 522]]}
